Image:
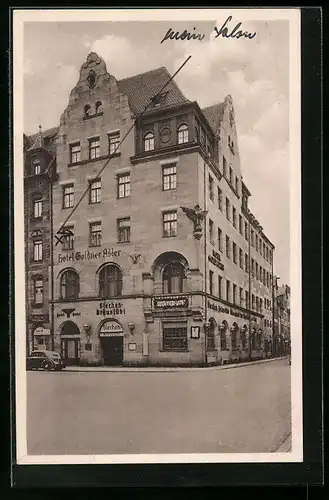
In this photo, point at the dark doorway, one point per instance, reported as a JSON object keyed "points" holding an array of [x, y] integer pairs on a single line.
{"points": [[71, 351], [112, 348]]}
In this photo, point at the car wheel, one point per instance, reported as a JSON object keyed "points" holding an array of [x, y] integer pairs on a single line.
{"points": [[46, 366]]}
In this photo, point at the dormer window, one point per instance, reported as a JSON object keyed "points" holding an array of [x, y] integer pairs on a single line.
{"points": [[87, 110], [182, 134], [98, 107], [149, 141], [36, 166]]}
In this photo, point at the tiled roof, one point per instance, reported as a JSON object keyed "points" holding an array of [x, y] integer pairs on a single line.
{"points": [[214, 115], [141, 88], [45, 139]]}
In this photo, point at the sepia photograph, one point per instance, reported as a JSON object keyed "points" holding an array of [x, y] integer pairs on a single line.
{"points": [[157, 223]]}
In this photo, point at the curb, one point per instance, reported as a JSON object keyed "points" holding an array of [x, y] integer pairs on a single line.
{"points": [[166, 369]]}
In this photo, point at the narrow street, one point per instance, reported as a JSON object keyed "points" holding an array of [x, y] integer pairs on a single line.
{"points": [[243, 409]]}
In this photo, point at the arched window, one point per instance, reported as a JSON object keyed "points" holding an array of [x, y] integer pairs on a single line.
{"points": [[211, 335], [36, 166], [173, 278], [110, 281], [182, 134], [69, 284], [98, 107], [87, 110], [222, 333], [149, 141], [243, 334], [234, 330]]}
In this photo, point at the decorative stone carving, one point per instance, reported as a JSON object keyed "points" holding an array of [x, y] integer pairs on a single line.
{"points": [[197, 216]]}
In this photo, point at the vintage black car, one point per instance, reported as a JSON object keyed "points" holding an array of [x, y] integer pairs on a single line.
{"points": [[45, 360]]}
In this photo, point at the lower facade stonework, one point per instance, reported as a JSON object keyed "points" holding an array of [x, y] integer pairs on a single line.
{"points": [[127, 332]]}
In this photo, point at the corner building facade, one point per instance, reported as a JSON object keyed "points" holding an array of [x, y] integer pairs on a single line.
{"points": [[148, 270]]}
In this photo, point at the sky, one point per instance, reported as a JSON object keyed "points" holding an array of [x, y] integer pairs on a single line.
{"points": [[254, 72]]}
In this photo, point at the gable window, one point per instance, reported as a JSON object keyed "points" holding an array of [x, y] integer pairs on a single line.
{"points": [[36, 166], [95, 234], [86, 110], [75, 152], [110, 281], [69, 283], [174, 337], [114, 143], [68, 238], [68, 196], [182, 134], [169, 177], [37, 250], [123, 185], [173, 278], [37, 208], [211, 187], [98, 107], [169, 221], [38, 290], [95, 191], [94, 148], [123, 230], [149, 141], [220, 199]]}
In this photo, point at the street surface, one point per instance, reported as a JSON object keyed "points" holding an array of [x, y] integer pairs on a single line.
{"points": [[243, 409]]}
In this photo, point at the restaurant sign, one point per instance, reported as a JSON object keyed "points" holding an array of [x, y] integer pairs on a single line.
{"points": [[39, 318], [110, 308], [170, 302], [87, 255], [111, 328], [230, 310]]}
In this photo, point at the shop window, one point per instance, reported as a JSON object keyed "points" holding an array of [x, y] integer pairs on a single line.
{"points": [[174, 337], [148, 141], [182, 134], [173, 278], [110, 281], [69, 283]]}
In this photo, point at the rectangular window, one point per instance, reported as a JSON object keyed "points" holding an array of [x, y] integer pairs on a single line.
{"points": [[38, 291], [114, 143], [220, 279], [246, 231], [95, 191], [211, 187], [228, 253], [266, 253], [260, 246], [94, 148], [227, 207], [241, 296], [247, 300], [234, 253], [252, 267], [37, 250], [68, 196], [231, 173], [261, 306], [234, 216], [68, 238], [256, 242], [253, 302], [237, 185], [240, 258], [169, 224], [219, 239], [123, 185], [240, 225], [37, 208], [95, 234], [220, 199], [224, 167], [228, 290], [36, 166], [257, 304], [75, 153], [211, 282], [234, 293], [211, 231], [252, 238], [257, 271], [169, 177], [174, 338], [124, 230], [246, 262]]}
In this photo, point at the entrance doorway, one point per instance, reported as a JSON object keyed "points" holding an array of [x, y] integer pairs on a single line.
{"points": [[112, 348], [70, 343]]}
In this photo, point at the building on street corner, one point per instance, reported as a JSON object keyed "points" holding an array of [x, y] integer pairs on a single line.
{"points": [[162, 261]]}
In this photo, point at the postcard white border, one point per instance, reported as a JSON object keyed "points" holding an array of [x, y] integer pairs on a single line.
{"points": [[20, 16]]}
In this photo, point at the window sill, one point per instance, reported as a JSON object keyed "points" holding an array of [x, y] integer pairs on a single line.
{"points": [[95, 202], [166, 237], [88, 117], [95, 246], [175, 350], [93, 160], [123, 242]]}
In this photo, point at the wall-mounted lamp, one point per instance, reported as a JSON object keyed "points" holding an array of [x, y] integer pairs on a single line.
{"points": [[131, 327], [87, 329]]}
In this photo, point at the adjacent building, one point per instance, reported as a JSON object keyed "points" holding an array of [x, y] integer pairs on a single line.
{"points": [[282, 318], [156, 257]]}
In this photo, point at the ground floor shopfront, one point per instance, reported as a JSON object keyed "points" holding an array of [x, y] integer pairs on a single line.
{"points": [[167, 330]]}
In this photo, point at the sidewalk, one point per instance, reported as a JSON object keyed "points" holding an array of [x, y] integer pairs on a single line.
{"points": [[149, 369]]}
